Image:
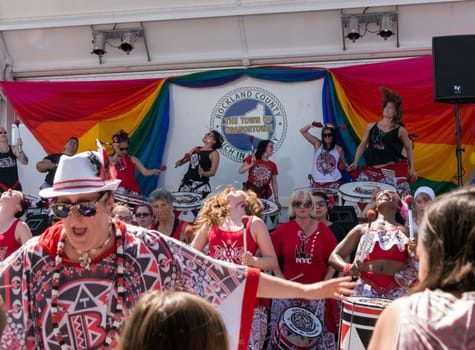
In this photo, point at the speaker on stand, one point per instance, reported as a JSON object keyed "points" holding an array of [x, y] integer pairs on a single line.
{"points": [[454, 79]]}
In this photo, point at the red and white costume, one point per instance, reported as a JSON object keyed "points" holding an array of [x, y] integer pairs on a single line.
{"points": [[305, 260], [260, 177], [8, 242], [86, 297]]}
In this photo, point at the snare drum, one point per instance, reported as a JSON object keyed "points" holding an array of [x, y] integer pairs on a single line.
{"points": [[184, 203], [131, 199], [358, 319], [359, 194], [270, 214], [298, 329]]}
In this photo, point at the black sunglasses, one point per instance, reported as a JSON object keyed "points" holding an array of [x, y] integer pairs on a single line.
{"points": [[3, 133], [142, 215], [124, 148], [86, 209], [321, 203], [325, 135], [298, 204]]}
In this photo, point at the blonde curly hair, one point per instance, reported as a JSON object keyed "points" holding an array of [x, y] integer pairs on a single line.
{"points": [[216, 208]]}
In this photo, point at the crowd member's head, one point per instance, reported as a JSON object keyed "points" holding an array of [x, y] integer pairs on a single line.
{"points": [[214, 138], [17, 201], [71, 146], [301, 199], [446, 243], [321, 206], [263, 147], [329, 137], [121, 143], [161, 201], [423, 196], [392, 105], [122, 212], [174, 320], [385, 199], [143, 215], [219, 206]]}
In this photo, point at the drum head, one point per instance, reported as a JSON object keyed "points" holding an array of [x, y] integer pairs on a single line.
{"points": [[302, 322], [269, 207], [186, 200], [373, 303], [363, 189]]}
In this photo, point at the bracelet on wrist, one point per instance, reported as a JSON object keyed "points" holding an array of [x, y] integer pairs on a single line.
{"points": [[346, 270]]}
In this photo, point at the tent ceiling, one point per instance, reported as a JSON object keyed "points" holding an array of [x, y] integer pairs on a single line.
{"points": [[53, 38]]}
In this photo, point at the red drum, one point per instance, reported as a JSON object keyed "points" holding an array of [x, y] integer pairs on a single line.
{"points": [[359, 194], [331, 193], [270, 214], [131, 199], [184, 203], [298, 329], [358, 319]]}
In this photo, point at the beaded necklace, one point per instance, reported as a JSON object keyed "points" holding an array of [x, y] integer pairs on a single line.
{"points": [[84, 255], [120, 291]]}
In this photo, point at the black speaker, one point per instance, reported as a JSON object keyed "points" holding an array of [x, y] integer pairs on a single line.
{"points": [[345, 215], [37, 223], [453, 60]]}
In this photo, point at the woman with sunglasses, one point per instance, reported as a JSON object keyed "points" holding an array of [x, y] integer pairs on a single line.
{"points": [[382, 263], [328, 157], [91, 267], [166, 221], [144, 215], [125, 165], [220, 226], [303, 246], [8, 162], [322, 214]]}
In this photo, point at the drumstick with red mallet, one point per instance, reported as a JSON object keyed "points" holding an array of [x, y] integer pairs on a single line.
{"points": [[251, 141], [17, 123], [182, 160]]}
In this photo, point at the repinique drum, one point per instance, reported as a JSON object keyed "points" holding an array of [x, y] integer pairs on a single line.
{"points": [[298, 329], [131, 199], [359, 194], [358, 318], [331, 193], [185, 204], [270, 214]]}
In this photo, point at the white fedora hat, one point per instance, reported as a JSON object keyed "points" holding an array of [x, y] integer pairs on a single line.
{"points": [[78, 174]]}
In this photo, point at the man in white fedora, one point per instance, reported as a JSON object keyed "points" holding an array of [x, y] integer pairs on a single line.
{"points": [[74, 286]]}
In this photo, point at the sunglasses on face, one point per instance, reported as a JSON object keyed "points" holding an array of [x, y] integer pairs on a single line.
{"points": [[3, 133], [124, 218], [298, 204], [142, 215], [84, 208], [327, 135], [124, 148], [321, 203]]}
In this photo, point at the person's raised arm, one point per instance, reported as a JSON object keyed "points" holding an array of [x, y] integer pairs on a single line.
{"points": [[143, 170], [19, 153], [361, 147], [247, 165], [315, 141]]}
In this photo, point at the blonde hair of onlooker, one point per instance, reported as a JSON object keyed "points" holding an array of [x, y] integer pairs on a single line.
{"points": [[216, 208], [174, 320], [307, 196]]}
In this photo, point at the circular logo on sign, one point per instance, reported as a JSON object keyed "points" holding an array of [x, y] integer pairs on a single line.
{"points": [[246, 116]]}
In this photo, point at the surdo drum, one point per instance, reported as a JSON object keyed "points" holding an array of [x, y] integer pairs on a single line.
{"points": [[359, 194], [270, 214], [358, 318], [298, 329]]}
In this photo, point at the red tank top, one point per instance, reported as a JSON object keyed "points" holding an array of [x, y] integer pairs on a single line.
{"points": [[229, 245], [126, 173], [8, 242]]}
